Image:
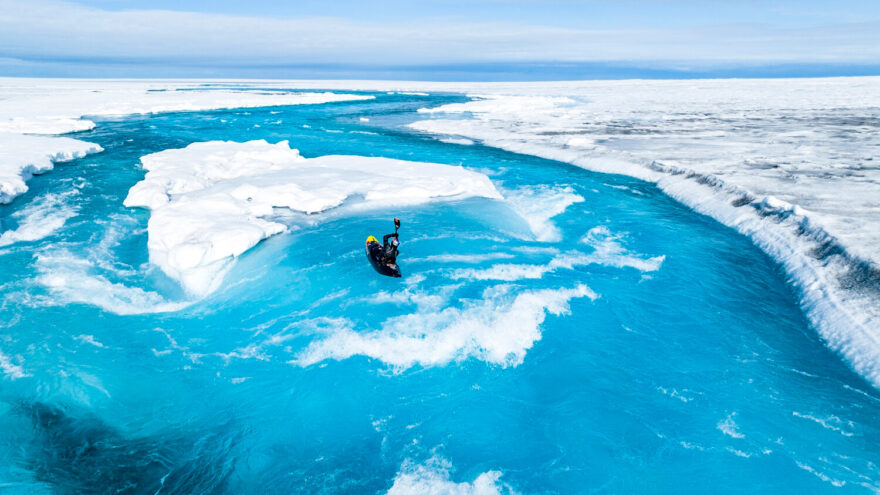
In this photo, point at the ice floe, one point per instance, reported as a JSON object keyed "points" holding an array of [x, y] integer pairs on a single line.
{"points": [[211, 202]]}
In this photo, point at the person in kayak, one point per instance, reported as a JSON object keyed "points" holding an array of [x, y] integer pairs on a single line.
{"points": [[389, 248], [383, 256]]}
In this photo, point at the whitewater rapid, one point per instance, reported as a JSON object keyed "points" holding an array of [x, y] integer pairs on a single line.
{"points": [[789, 163]]}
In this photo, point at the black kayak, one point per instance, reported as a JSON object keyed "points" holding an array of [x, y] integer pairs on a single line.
{"points": [[374, 254]]}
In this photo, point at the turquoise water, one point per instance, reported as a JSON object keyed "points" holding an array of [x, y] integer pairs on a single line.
{"points": [[701, 375]]}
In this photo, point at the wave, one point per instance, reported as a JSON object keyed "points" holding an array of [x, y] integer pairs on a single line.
{"points": [[72, 279], [79, 278], [434, 476], [87, 275], [462, 258], [12, 370], [40, 219], [607, 251], [499, 329], [538, 204], [422, 300]]}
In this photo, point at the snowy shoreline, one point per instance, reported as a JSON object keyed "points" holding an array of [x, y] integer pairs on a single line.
{"points": [[790, 164]]}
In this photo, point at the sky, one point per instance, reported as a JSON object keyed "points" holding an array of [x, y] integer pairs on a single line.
{"points": [[439, 39]]}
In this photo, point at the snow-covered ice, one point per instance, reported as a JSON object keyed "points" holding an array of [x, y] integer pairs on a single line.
{"points": [[57, 106], [51, 107], [22, 156], [213, 201]]}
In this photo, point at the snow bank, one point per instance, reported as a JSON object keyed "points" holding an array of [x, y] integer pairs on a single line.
{"points": [[41, 106], [213, 201], [23, 156], [790, 163]]}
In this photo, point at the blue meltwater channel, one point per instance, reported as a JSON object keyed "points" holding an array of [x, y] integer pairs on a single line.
{"points": [[585, 334]]}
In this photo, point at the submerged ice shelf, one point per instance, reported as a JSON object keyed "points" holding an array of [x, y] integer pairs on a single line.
{"points": [[212, 201]]}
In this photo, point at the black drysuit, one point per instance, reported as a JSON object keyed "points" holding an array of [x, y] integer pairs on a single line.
{"points": [[389, 250]]}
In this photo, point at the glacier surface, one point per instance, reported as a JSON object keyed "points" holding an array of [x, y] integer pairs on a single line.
{"points": [[52, 107]]}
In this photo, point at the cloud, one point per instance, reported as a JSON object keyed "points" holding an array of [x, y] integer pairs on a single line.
{"points": [[64, 32]]}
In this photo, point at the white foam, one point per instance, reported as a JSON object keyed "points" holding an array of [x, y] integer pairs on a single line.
{"points": [[71, 279], [822, 476], [39, 219], [47, 106], [409, 295], [607, 252], [462, 258], [90, 339], [513, 271], [832, 423], [499, 329], [538, 204], [729, 427], [735, 150], [11, 370], [434, 477], [213, 201]]}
